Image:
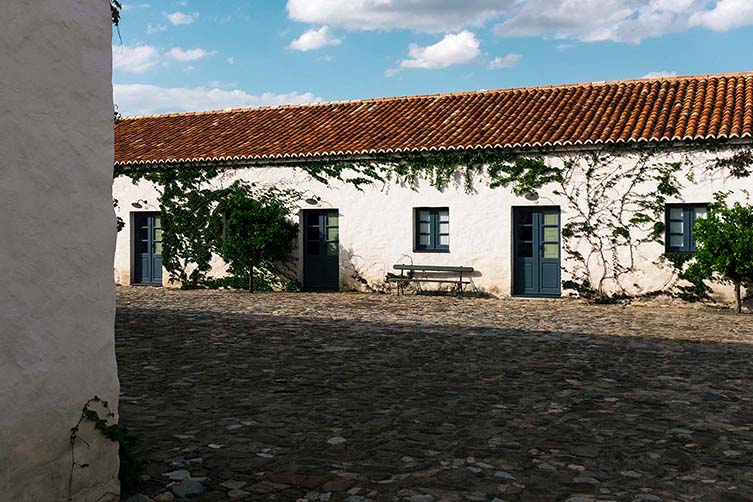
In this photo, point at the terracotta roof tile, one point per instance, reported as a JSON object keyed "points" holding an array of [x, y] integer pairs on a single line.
{"points": [[623, 112]]}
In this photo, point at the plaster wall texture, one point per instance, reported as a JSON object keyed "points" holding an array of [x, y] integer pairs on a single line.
{"points": [[57, 239], [377, 224]]}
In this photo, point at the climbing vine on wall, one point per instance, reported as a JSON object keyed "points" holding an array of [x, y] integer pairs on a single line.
{"points": [[97, 412], [615, 205], [186, 200]]}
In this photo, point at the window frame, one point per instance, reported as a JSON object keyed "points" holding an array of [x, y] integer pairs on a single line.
{"points": [[434, 234], [688, 222]]}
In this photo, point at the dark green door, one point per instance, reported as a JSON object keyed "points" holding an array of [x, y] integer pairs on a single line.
{"points": [[147, 242], [537, 251], [321, 250]]}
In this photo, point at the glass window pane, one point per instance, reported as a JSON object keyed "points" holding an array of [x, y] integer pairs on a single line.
{"points": [[444, 216], [676, 241], [525, 217], [157, 234], [551, 234], [701, 212], [444, 240], [444, 228], [312, 248], [423, 240], [424, 216], [525, 250], [143, 247], [158, 248], [312, 233], [332, 249], [675, 213], [157, 221], [551, 218], [551, 251], [333, 233], [333, 220], [676, 227], [424, 228], [526, 234]]}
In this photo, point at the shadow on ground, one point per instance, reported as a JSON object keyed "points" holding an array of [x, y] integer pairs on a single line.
{"points": [[358, 397]]}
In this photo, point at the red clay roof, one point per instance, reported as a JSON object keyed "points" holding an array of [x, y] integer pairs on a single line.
{"points": [[621, 112]]}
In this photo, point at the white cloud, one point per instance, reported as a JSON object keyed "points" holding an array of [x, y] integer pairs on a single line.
{"points": [[130, 6], [142, 58], [230, 60], [660, 74], [421, 15], [177, 18], [138, 59], [155, 28], [144, 99], [453, 49], [630, 21], [726, 15], [507, 61], [314, 39], [182, 55]]}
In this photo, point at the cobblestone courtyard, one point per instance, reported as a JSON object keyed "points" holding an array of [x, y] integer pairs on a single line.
{"points": [[368, 397]]}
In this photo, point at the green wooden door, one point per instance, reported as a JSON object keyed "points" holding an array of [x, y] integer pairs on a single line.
{"points": [[321, 250], [147, 248], [536, 253]]}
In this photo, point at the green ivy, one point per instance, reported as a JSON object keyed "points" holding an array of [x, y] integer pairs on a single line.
{"points": [[725, 245], [251, 228], [130, 466]]}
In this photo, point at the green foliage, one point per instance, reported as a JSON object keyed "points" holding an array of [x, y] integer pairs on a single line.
{"points": [[521, 173], [115, 7], [725, 244], [614, 200], [694, 288], [130, 466], [119, 223], [252, 228], [186, 202], [739, 165]]}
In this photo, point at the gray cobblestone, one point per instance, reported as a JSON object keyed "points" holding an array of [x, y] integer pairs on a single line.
{"points": [[435, 397]]}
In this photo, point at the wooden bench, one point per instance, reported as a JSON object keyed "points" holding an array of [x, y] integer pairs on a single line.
{"points": [[426, 271]]}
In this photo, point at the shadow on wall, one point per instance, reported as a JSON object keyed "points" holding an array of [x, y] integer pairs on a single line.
{"points": [[353, 278]]}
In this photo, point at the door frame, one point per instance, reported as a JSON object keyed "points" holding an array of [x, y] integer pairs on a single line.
{"points": [[135, 215], [514, 250], [305, 214]]}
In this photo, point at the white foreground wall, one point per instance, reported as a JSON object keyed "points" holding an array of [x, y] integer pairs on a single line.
{"points": [[57, 240], [377, 226]]}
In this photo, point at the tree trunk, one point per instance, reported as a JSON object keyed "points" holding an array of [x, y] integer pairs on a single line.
{"points": [[251, 280], [738, 298]]}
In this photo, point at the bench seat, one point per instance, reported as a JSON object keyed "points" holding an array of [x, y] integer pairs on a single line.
{"points": [[402, 280]]}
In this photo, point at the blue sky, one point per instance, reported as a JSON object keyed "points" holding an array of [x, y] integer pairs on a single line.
{"points": [[191, 55]]}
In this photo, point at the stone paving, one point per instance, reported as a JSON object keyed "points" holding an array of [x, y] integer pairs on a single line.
{"points": [[329, 397]]}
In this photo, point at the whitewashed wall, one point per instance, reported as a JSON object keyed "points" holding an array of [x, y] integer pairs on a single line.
{"points": [[376, 224], [57, 239]]}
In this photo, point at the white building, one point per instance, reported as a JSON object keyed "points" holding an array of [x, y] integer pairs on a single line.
{"points": [[514, 242], [57, 300]]}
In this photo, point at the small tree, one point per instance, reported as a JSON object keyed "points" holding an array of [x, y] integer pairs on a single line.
{"points": [[725, 245], [252, 228]]}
